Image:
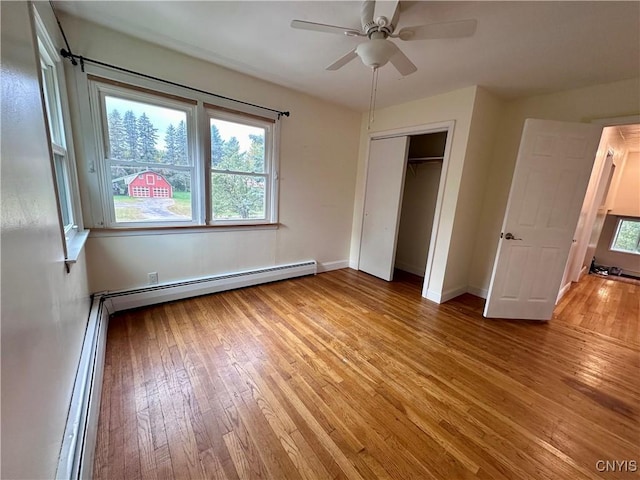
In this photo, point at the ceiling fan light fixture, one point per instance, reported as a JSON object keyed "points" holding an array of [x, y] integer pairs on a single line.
{"points": [[376, 52]]}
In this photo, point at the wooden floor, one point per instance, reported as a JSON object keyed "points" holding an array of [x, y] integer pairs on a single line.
{"points": [[342, 375]]}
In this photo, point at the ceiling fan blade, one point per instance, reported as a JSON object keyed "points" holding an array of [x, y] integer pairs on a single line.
{"points": [[457, 29], [321, 27], [390, 9], [343, 60], [402, 63], [366, 14]]}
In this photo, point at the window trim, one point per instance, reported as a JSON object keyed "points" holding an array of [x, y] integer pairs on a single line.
{"points": [[617, 231], [97, 210], [270, 169], [98, 91], [73, 234]]}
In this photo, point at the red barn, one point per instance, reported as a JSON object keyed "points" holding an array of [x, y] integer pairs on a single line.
{"points": [[148, 184]]}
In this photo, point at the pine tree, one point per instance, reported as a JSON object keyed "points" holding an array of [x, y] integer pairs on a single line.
{"points": [[170, 153], [237, 196], [256, 153], [130, 124], [182, 152], [117, 143], [217, 147], [147, 138]]}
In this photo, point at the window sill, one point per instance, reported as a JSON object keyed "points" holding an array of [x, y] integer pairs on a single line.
{"points": [[612, 250], [74, 248], [132, 232]]}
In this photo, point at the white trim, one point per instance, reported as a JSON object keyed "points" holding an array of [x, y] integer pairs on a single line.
{"points": [[478, 292], [446, 126], [615, 121], [445, 296], [563, 291], [329, 266]]}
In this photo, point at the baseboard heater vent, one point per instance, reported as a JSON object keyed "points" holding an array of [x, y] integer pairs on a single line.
{"points": [[126, 299]]}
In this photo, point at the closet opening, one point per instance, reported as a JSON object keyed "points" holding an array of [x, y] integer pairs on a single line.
{"points": [[420, 194]]}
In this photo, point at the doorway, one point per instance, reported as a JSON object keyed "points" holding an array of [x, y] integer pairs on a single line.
{"points": [[403, 197]]}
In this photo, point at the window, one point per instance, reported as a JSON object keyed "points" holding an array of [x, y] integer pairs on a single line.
{"points": [[240, 178], [153, 169], [627, 236], [54, 95]]}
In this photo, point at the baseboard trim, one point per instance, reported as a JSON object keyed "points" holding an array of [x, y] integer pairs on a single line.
{"points": [[478, 292], [405, 267], [445, 296], [563, 292], [329, 266]]}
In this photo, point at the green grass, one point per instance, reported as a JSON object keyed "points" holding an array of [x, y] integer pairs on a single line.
{"points": [[129, 209]]}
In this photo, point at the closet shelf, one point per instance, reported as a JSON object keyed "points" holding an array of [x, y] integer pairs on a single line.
{"points": [[425, 159]]}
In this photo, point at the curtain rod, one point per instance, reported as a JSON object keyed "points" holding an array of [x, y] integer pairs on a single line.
{"points": [[67, 53]]}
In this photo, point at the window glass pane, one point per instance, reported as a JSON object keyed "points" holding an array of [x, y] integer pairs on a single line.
{"points": [[238, 197], [627, 236], [140, 132], [237, 147], [52, 103], [151, 195], [63, 190]]}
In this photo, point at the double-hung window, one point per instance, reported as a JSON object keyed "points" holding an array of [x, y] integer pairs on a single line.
{"points": [[240, 167], [148, 169], [54, 94], [166, 160], [627, 236]]}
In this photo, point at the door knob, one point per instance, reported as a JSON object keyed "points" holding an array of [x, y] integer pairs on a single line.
{"points": [[509, 236]]}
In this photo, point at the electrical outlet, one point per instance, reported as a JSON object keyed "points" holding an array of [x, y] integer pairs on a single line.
{"points": [[153, 278]]}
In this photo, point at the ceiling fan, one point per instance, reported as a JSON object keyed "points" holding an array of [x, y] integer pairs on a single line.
{"points": [[378, 49]]}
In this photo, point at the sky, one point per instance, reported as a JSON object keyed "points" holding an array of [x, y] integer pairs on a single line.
{"points": [[162, 117]]}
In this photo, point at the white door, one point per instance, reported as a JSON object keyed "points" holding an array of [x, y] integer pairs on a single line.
{"points": [[549, 183], [383, 200]]}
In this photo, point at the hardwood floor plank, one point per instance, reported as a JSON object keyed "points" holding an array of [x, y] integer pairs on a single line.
{"points": [[344, 376]]}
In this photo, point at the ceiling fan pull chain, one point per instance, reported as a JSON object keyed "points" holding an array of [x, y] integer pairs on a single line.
{"points": [[372, 99]]}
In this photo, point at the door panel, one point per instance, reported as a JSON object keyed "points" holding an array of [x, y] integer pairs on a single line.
{"points": [[548, 187], [383, 200]]}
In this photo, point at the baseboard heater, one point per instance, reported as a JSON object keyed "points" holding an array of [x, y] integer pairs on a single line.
{"points": [[78, 446], [127, 299]]}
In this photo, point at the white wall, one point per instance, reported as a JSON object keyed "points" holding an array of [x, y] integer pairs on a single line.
{"points": [[579, 105], [416, 217], [627, 195], [457, 106], [318, 155], [44, 309]]}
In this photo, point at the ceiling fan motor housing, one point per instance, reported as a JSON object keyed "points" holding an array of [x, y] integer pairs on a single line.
{"points": [[376, 52]]}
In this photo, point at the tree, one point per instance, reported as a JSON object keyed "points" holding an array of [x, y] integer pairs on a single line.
{"points": [[117, 142], [255, 155], [170, 151], [217, 146], [238, 196], [182, 152], [147, 138], [130, 125]]}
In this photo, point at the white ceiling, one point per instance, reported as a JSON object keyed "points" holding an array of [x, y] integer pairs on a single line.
{"points": [[519, 49]]}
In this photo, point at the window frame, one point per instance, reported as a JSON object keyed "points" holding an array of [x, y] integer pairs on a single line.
{"points": [[269, 174], [59, 135], [98, 92], [614, 238], [92, 115]]}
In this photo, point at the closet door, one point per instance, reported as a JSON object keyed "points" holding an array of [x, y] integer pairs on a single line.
{"points": [[383, 200]]}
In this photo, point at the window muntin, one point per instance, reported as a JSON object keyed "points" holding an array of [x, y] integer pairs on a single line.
{"points": [[240, 168], [627, 236], [148, 158]]}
